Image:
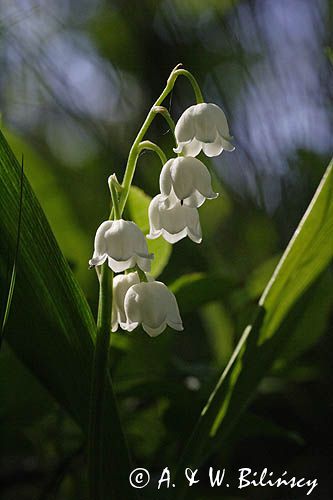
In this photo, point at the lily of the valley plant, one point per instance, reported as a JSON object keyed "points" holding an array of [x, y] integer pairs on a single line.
{"points": [[133, 298]]}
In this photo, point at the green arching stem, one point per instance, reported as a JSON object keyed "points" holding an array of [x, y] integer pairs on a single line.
{"points": [[98, 383], [115, 201], [101, 352], [114, 189], [162, 110], [153, 147], [194, 83], [134, 151]]}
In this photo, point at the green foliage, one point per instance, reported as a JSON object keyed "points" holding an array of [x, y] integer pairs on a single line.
{"points": [[220, 331], [19, 390], [45, 294], [49, 311], [308, 253], [74, 241], [9, 298], [195, 290], [312, 321], [50, 327]]}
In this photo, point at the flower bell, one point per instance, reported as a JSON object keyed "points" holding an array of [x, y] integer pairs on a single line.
{"points": [[203, 126], [121, 283], [174, 221], [122, 244], [154, 306], [189, 179]]}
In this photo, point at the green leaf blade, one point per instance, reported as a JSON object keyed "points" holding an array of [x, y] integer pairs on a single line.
{"points": [[50, 326], [308, 253], [285, 297]]}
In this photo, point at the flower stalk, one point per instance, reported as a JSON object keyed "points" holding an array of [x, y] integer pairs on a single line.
{"points": [[98, 383], [141, 274], [153, 147], [100, 367], [114, 186], [193, 82], [133, 298], [162, 110], [135, 149]]}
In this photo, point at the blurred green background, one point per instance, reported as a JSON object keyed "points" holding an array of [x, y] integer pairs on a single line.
{"points": [[77, 78]]}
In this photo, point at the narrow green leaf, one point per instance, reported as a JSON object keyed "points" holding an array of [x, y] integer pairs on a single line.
{"points": [[219, 326], [75, 243], [312, 322], [196, 289], [309, 251], [257, 280], [13, 273], [50, 326], [280, 308]]}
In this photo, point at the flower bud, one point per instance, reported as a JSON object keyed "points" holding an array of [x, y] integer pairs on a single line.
{"points": [[202, 126], [122, 244]]}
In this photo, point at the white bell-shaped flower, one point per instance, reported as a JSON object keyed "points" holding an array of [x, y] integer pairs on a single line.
{"points": [[121, 283], [173, 220], [203, 126], [154, 306], [189, 179], [121, 243]]}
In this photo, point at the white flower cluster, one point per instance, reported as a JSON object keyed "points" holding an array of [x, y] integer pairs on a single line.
{"points": [[122, 244], [185, 183]]}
